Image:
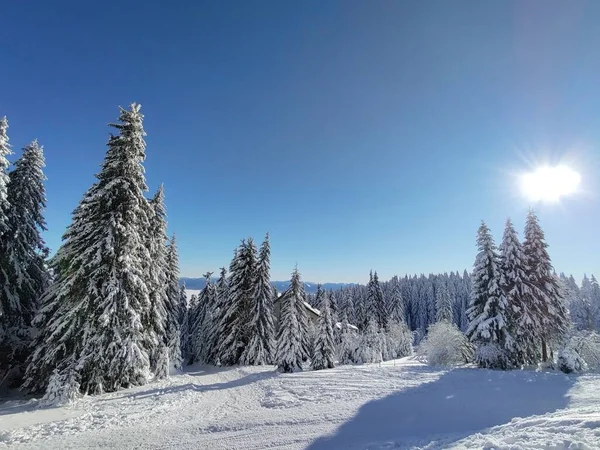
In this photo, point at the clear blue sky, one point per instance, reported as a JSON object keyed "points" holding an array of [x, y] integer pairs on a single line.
{"points": [[361, 134]]}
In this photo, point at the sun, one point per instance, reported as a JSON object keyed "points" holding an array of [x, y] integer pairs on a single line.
{"points": [[550, 184]]}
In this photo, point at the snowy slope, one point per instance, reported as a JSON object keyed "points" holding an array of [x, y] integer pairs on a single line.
{"points": [[400, 405]]}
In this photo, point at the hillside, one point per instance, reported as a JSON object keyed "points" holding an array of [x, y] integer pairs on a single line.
{"points": [[400, 404]]}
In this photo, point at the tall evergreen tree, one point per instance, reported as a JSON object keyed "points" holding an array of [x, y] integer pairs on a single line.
{"points": [[443, 303], [237, 310], [397, 312], [380, 308], [184, 311], [324, 349], [4, 164], [260, 349], [291, 337], [173, 305], [202, 316], [91, 322], [155, 318], [23, 273], [548, 304], [215, 333], [487, 313], [513, 281]]}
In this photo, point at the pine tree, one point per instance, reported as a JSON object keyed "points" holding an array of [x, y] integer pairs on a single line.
{"points": [[184, 325], [215, 334], [155, 318], [513, 281], [443, 303], [202, 316], [192, 309], [397, 307], [347, 348], [4, 164], [91, 321], [324, 350], [595, 300], [380, 309], [237, 311], [548, 304], [23, 273], [173, 305], [291, 337], [259, 350], [487, 313]]}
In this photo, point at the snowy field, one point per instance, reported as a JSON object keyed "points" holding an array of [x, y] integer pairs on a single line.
{"points": [[401, 404]]}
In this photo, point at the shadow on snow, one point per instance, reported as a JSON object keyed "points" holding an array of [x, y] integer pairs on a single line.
{"points": [[461, 402]]}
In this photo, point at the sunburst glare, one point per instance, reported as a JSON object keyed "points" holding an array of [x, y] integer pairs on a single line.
{"points": [[550, 184]]}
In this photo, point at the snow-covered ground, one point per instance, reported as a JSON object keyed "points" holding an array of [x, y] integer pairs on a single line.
{"points": [[401, 404]]}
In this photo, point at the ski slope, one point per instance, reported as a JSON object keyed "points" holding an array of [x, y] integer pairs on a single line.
{"points": [[400, 404]]}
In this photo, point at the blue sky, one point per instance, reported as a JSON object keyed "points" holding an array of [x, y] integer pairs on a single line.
{"points": [[359, 134]]}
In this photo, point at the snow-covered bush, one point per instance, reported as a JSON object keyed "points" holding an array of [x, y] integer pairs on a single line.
{"points": [[491, 356], [569, 360], [444, 345], [398, 340], [347, 348], [371, 349], [63, 388], [580, 352]]}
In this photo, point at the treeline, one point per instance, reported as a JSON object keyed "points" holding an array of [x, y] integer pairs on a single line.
{"points": [[418, 301], [23, 272], [106, 311]]}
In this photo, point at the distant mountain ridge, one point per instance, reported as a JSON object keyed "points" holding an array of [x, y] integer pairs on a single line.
{"points": [[310, 287]]}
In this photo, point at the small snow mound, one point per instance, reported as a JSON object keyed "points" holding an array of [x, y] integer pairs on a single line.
{"points": [[279, 399]]}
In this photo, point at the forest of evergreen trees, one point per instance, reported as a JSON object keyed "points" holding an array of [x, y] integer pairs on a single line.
{"points": [[107, 312]]}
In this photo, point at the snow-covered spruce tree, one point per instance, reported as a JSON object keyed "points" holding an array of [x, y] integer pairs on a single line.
{"points": [[305, 325], [184, 310], [234, 321], [202, 315], [380, 308], [487, 313], [346, 350], [548, 304], [91, 322], [443, 301], [155, 318], [324, 349], [4, 164], [595, 299], [584, 303], [23, 273], [261, 347], [192, 308], [173, 305], [291, 336], [522, 324], [397, 312], [215, 335], [375, 302]]}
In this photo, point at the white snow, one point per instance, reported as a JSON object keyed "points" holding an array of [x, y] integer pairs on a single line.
{"points": [[398, 404], [190, 292]]}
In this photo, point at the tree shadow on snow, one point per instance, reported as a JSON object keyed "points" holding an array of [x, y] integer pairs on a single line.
{"points": [[461, 402], [152, 391]]}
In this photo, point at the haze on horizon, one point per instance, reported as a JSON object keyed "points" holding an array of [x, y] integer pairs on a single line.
{"points": [[360, 135]]}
